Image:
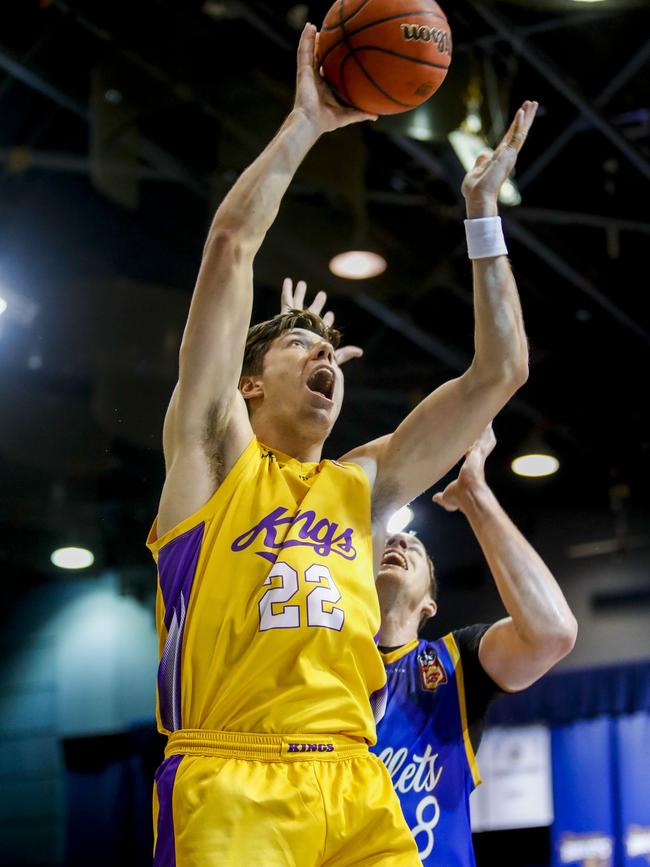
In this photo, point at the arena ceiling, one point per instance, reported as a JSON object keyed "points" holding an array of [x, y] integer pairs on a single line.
{"points": [[124, 123]]}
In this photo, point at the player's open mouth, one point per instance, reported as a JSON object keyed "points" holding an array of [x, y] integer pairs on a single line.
{"points": [[322, 381], [394, 558]]}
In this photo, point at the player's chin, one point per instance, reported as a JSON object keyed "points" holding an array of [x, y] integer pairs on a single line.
{"points": [[392, 574]]}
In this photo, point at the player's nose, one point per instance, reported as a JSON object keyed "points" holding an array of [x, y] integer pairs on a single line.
{"points": [[397, 540], [324, 351]]}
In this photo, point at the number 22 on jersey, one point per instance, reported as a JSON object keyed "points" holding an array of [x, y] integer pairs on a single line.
{"points": [[289, 616]]}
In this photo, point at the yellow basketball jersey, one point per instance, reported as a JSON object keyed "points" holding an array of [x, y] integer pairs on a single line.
{"points": [[266, 610]]}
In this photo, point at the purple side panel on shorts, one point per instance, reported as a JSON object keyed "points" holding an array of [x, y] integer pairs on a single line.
{"points": [[176, 569], [165, 853], [378, 702]]}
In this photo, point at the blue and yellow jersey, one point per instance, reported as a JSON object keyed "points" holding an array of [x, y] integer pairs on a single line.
{"points": [[266, 608], [424, 741]]}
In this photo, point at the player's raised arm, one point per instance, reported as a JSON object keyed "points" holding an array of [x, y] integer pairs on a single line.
{"points": [[437, 433], [207, 419], [541, 628]]}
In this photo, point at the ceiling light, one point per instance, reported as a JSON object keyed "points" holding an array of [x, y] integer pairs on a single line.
{"points": [[19, 308], [400, 520], [588, 1], [535, 465], [468, 145], [357, 265], [72, 558]]}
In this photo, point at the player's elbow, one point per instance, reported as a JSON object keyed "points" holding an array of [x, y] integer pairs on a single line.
{"points": [[564, 636], [514, 371], [224, 245]]}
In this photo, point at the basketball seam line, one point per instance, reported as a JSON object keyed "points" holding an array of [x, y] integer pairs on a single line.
{"points": [[344, 39], [353, 54], [349, 18], [346, 35]]}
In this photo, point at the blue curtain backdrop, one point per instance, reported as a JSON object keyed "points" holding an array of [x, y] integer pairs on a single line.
{"points": [[600, 736], [633, 771], [585, 827]]}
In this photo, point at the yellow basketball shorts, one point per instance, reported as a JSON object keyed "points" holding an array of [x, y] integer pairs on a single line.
{"points": [[224, 799]]}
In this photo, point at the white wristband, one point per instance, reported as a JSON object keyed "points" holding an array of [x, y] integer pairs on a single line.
{"points": [[485, 238]]}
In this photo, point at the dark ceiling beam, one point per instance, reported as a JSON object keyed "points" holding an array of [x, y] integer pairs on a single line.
{"points": [[422, 156], [561, 84], [633, 65], [558, 264], [24, 158], [20, 71], [569, 218], [457, 361], [410, 331], [182, 91], [156, 156], [564, 22]]}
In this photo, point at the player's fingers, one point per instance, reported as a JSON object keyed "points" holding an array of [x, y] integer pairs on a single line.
{"points": [[328, 319], [315, 55], [345, 353], [440, 501], [306, 49], [299, 295], [482, 159], [286, 298], [319, 302]]}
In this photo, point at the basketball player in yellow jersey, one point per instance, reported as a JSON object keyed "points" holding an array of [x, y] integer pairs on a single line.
{"points": [[269, 680]]}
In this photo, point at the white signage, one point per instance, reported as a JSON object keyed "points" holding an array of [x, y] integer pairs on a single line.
{"points": [[515, 765]]}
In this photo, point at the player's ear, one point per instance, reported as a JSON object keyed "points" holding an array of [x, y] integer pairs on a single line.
{"points": [[429, 609], [251, 387]]}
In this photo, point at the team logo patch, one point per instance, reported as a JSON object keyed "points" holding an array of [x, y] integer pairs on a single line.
{"points": [[431, 669]]}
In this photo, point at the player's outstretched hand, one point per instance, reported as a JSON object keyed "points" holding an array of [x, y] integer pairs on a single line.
{"points": [[295, 300], [313, 95], [482, 183], [471, 475]]}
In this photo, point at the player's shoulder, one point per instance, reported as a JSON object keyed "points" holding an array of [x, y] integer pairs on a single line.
{"points": [[468, 638]]}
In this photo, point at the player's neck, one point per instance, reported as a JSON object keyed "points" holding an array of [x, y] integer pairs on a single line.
{"points": [[398, 627], [288, 440]]}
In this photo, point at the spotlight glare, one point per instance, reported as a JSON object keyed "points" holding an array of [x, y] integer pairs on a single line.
{"points": [[420, 127], [400, 520], [3, 306], [535, 466], [357, 265], [72, 558]]}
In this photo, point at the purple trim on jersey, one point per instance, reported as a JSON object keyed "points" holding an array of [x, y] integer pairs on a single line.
{"points": [[176, 569], [165, 853], [378, 701]]}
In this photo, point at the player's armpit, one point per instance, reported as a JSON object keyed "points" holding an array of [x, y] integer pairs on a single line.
{"points": [[514, 663], [196, 467]]}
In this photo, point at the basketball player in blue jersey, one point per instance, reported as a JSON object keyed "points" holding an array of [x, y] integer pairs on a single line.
{"points": [[439, 691], [269, 680]]}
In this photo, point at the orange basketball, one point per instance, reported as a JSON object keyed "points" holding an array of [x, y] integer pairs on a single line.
{"points": [[385, 56]]}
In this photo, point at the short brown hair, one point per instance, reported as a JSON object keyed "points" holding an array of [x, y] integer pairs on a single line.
{"points": [[262, 335]]}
